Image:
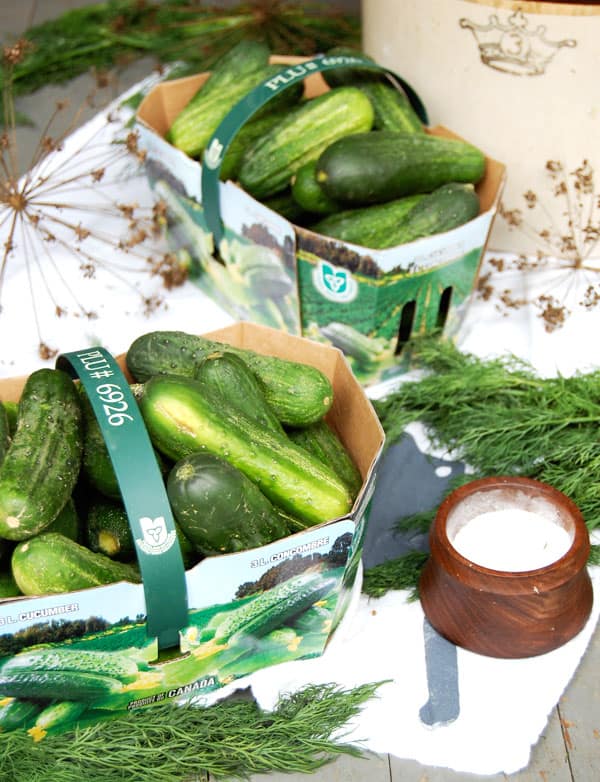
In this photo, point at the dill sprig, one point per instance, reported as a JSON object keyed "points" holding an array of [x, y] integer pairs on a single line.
{"points": [[165, 743], [501, 418], [399, 573], [118, 32]]}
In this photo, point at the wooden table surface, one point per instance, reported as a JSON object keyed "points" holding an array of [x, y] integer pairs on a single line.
{"points": [[569, 748]]}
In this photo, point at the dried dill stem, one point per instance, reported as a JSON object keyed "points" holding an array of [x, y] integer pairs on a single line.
{"points": [[501, 418], [165, 743]]}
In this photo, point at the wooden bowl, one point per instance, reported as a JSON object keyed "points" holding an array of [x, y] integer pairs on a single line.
{"points": [[506, 613]]}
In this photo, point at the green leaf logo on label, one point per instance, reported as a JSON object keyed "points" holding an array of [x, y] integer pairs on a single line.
{"points": [[156, 539], [213, 155], [334, 282]]}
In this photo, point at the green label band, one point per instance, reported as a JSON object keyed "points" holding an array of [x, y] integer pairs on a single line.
{"points": [[254, 100], [142, 489]]}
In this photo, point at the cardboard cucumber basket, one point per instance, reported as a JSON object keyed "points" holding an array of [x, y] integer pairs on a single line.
{"points": [[74, 658], [263, 267]]}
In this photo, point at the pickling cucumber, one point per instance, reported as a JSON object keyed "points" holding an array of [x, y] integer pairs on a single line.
{"points": [[181, 419], [42, 463]]}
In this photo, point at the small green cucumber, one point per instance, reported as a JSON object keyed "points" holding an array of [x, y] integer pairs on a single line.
{"points": [[67, 522], [268, 166], [181, 420], [42, 464], [11, 409], [298, 393], [50, 563], [108, 532], [219, 508], [447, 207], [309, 194], [369, 168], [231, 379], [368, 226], [320, 440], [243, 67]]}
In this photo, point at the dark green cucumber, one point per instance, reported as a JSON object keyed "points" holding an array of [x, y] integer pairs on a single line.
{"points": [[108, 532], [241, 69], [369, 168], [298, 393], [309, 194], [182, 420], [447, 207], [268, 166], [112, 664], [16, 714], [67, 522], [50, 563], [320, 440], [42, 463], [219, 508], [228, 376], [52, 685], [4, 432], [369, 226]]}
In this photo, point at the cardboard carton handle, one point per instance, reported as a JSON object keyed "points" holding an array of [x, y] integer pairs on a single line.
{"points": [[254, 100], [142, 489]]}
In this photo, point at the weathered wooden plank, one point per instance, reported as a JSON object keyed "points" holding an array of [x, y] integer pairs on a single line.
{"points": [[549, 761], [374, 768], [579, 711], [411, 771]]}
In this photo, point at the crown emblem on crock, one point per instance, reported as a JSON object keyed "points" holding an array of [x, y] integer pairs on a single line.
{"points": [[514, 47]]}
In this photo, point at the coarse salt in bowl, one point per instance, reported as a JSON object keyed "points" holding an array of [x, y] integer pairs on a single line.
{"points": [[507, 574]]}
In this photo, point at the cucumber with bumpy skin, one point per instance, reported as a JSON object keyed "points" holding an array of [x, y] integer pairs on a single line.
{"points": [[219, 509], [447, 207], [41, 467], [369, 226], [298, 393], [231, 379], [321, 440], [268, 166], [181, 419], [370, 168], [50, 563], [4, 432]]}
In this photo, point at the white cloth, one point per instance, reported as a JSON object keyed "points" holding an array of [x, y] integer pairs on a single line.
{"points": [[378, 639]]}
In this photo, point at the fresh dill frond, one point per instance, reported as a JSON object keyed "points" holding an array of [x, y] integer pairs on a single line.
{"points": [[233, 739], [502, 419]]}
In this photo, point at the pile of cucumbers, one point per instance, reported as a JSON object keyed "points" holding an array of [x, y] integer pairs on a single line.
{"points": [[244, 448], [354, 163]]}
